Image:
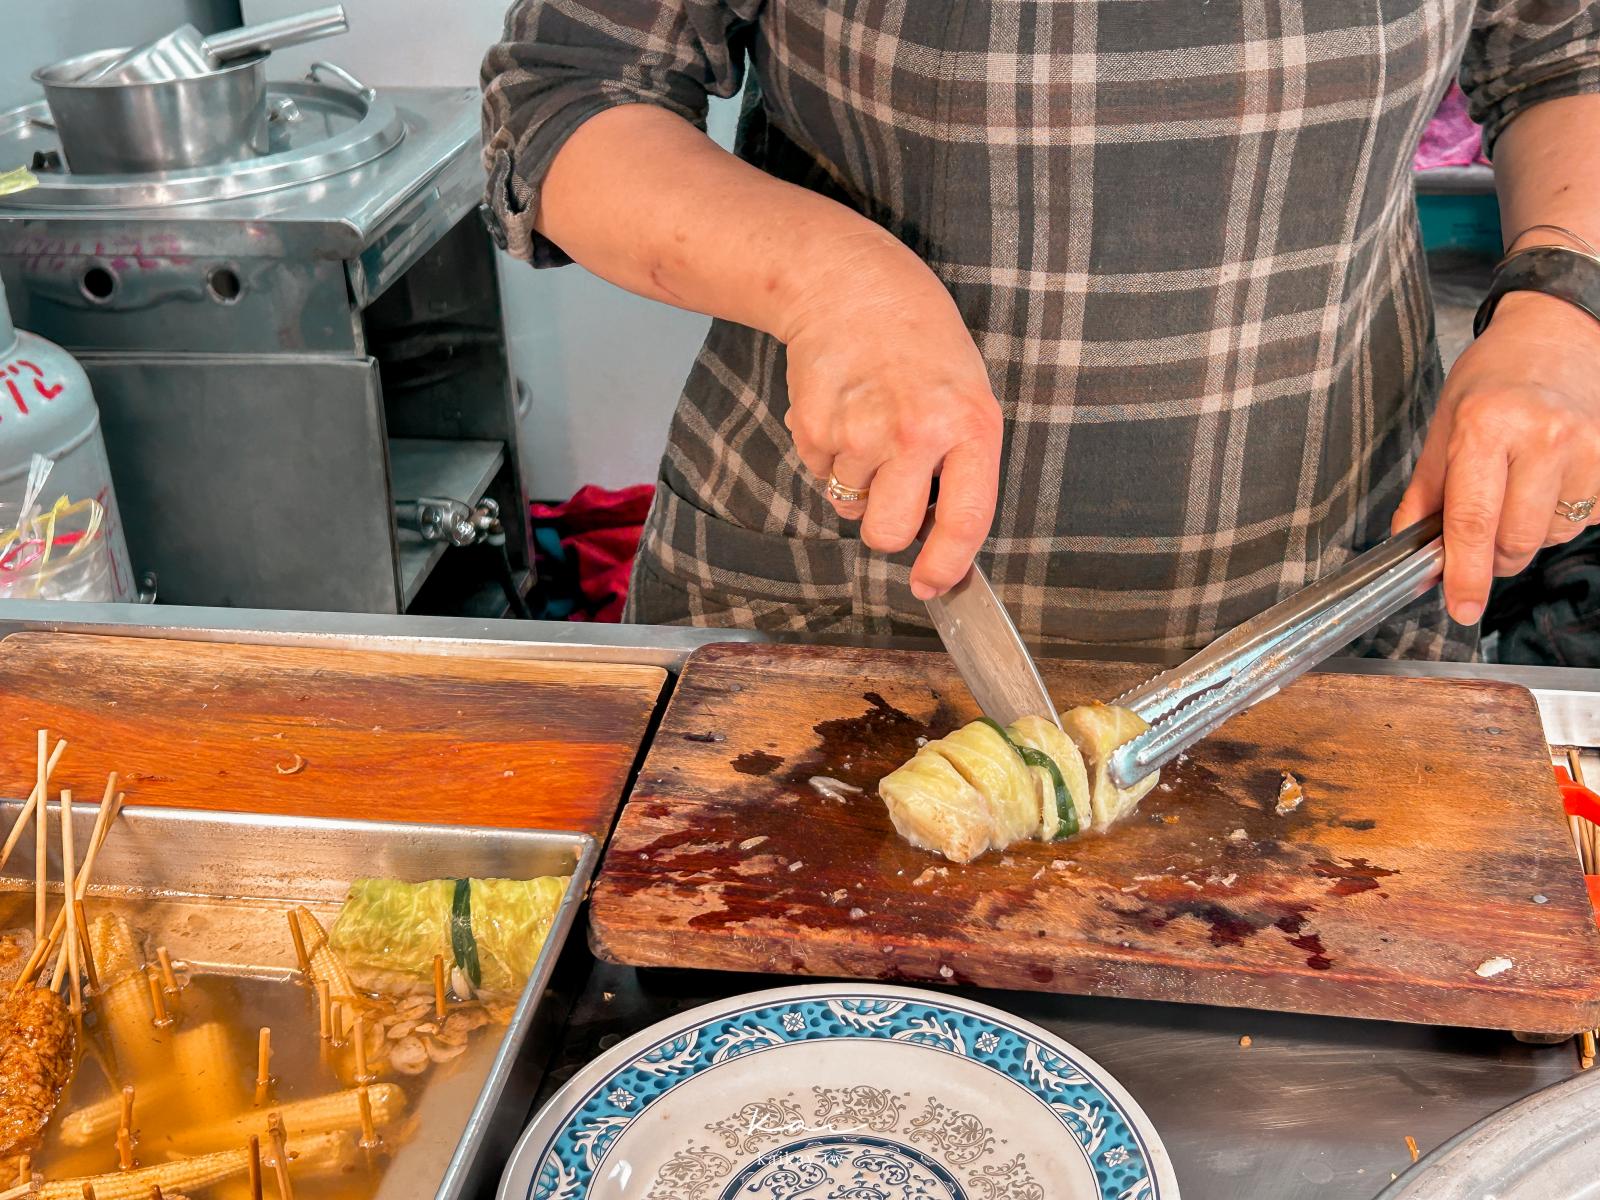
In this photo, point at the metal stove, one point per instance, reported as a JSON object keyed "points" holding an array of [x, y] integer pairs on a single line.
{"points": [[290, 352]]}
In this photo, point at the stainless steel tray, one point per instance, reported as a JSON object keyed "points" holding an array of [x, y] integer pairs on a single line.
{"points": [[219, 875]]}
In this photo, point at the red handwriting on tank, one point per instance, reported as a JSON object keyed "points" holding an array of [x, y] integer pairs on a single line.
{"points": [[27, 374]]}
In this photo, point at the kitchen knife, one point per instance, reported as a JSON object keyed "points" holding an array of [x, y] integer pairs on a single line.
{"points": [[980, 636]]}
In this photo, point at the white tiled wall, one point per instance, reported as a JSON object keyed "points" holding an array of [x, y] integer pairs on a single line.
{"points": [[603, 367]]}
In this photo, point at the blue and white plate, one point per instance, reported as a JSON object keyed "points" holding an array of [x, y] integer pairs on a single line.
{"points": [[841, 1092]]}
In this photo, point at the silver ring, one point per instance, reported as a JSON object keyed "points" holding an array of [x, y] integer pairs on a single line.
{"points": [[1576, 511], [842, 494]]}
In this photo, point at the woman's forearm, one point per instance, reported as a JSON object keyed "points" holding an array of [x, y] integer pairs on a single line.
{"points": [[645, 200], [1547, 171]]}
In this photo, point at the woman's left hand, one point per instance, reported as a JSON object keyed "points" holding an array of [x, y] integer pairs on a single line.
{"points": [[1517, 433]]}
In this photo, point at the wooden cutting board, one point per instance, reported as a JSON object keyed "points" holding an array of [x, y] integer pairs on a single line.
{"points": [[1430, 842], [310, 731]]}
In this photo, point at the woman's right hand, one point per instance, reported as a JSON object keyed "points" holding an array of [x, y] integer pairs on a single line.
{"points": [[888, 392]]}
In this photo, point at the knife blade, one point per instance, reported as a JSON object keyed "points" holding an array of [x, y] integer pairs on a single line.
{"points": [[988, 651]]}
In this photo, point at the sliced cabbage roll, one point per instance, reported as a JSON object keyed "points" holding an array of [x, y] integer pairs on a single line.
{"points": [[985, 788], [933, 807], [1042, 737], [988, 760], [1098, 729]]}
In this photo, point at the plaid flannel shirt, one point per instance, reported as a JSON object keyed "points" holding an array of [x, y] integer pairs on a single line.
{"points": [[1181, 233]]}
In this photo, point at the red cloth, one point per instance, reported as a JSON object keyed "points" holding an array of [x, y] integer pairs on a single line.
{"points": [[599, 533], [1451, 138]]}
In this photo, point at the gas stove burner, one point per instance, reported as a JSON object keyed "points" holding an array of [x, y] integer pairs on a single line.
{"points": [[317, 130]]}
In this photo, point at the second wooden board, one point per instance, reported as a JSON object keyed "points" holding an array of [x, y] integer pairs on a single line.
{"points": [[1430, 850]]}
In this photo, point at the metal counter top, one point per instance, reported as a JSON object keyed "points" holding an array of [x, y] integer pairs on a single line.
{"points": [[1313, 1108]]}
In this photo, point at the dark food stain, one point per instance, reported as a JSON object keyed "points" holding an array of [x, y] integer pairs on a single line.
{"points": [[1357, 875], [1361, 824], [756, 762], [1316, 953], [705, 737]]}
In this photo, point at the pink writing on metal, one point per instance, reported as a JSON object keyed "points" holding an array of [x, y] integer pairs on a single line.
{"points": [[43, 387]]}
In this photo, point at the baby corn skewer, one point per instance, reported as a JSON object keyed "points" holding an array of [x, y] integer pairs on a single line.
{"points": [[191, 1174], [302, 1119], [126, 1013], [203, 1057], [326, 968]]}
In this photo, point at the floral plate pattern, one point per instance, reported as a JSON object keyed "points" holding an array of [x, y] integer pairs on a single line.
{"points": [[831, 1092]]}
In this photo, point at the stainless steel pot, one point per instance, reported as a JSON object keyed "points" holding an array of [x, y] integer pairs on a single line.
{"points": [[171, 124]]}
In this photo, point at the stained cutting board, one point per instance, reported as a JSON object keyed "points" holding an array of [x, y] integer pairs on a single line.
{"points": [[1430, 842], [309, 731]]}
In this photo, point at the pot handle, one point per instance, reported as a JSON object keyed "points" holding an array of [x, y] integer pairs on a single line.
{"points": [[350, 81]]}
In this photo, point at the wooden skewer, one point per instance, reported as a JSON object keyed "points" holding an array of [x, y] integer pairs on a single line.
{"points": [[280, 1155], [169, 978], [369, 1130], [263, 1066], [255, 1167], [28, 809], [124, 1150], [84, 948], [158, 1000], [363, 1076], [125, 1124], [24, 1170], [155, 1192], [36, 961], [438, 985], [110, 806], [1586, 1049], [69, 883], [300, 954], [324, 1012], [41, 841], [88, 1191]]}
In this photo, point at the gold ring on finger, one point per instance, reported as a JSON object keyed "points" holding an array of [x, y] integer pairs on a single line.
{"points": [[1576, 511], [841, 494]]}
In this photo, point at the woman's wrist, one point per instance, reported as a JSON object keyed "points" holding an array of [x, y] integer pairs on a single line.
{"points": [[850, 265]]}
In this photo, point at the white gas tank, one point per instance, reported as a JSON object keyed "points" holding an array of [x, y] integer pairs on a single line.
{"points": [[72, 549]]}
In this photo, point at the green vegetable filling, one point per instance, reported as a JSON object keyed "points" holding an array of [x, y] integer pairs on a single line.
{"points": [[1066, 811]]}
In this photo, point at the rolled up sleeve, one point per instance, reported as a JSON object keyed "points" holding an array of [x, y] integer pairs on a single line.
{"points": [[1523, 52], [563, 61]]}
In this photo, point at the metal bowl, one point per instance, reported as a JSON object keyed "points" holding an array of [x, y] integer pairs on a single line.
{"points": [[173, 124], [1541, 1148]]}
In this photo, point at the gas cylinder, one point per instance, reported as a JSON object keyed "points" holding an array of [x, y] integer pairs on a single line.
{"points": [[47, 408]]}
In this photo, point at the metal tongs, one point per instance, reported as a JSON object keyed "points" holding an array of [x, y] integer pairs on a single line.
{"points": [[1250, 663]]}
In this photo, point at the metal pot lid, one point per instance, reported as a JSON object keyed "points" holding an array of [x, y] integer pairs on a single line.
{"points": [[1546, 1147], [318, 130]]}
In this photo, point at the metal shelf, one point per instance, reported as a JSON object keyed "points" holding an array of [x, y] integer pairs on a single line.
{"points": [[457, 470]]}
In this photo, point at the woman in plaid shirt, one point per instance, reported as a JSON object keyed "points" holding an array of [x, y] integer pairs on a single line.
{"points": [[1139, 283]]}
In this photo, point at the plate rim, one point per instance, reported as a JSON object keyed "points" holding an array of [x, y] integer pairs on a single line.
{"points": [[560, 1104]]}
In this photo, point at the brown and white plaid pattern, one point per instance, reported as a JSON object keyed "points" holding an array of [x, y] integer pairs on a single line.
{"points": [[1182, 234]]}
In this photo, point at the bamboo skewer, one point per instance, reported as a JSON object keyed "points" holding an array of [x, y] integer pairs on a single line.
{"points": [[363, 1075], [263, 1066], [88, 1191], [324, 1012], [27, 812], [255, 1167], [110, 806], [280, 1155], [438, 985], [125, 1131], [24, 1170], [84, 948], [41, 839], [158, 1000], [300, 954], [169, 978], [369, 1130], [69, 883]]}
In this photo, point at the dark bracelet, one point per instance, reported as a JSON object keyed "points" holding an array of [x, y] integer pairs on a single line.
{"points": [[1558, 271]]}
